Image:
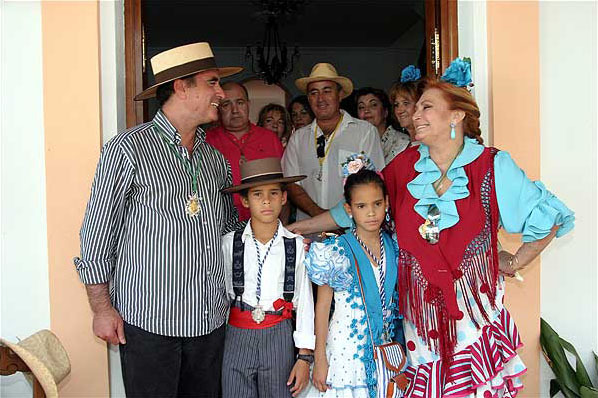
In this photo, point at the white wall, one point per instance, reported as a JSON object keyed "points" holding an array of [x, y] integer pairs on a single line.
{"points": [[569, 300], [473, 43], [24, 291], [112, 59]]}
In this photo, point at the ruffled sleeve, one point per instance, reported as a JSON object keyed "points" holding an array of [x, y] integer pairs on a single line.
{"points": [[526, 206], [327, 264]]}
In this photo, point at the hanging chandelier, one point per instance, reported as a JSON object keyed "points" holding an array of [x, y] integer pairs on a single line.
{"points": [[270, 58]]}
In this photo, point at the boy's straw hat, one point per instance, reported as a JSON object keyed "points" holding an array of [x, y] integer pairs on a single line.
{"points": [[261, 172]]}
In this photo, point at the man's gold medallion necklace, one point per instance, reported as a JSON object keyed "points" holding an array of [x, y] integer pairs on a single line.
{"points": [[192, 207]]}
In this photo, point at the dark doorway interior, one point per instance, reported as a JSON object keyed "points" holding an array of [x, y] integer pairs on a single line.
{"points": [[369, 41]]}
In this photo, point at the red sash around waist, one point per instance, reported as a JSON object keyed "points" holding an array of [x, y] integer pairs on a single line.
{"points": [[242, 319]]}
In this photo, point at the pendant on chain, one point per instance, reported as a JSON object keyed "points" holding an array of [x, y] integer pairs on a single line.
{"points": [[319, 175], [258, 314], [192, 207], [430, 230]]}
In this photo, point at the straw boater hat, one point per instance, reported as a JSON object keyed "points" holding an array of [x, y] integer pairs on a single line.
{"points": [[46, 357], [324, 71], [180, 62], [261, 172]]}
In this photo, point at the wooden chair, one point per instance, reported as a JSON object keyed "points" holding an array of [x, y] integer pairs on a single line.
{"points": [[10, 363]]}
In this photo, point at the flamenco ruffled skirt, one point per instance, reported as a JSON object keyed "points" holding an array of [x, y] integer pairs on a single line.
{"points": [[488, 368]]}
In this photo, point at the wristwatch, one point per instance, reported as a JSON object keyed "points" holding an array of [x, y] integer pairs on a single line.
{"points": [[309, 358]]}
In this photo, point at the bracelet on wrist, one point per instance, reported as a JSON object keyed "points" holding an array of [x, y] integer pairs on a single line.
{"points": [[514, 262], [515, 267], [309, 358]]}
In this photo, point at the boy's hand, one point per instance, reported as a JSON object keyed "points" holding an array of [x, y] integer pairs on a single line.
{"points": [[320, 374], [299, 374]]}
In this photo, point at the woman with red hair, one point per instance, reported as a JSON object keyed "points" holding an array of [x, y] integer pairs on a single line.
{"points": [[449, 196]]}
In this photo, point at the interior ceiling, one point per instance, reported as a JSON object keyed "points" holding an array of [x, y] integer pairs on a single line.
{"points": [[323, 23]]}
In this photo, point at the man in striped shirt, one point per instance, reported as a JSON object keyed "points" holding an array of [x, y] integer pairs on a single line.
{"points": [[152, 231]]}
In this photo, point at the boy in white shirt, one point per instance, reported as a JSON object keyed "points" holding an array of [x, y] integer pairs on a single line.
{"points": [[266, 281]]}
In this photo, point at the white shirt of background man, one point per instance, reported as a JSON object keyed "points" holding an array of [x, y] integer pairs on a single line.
{"points": [[354, 136]]}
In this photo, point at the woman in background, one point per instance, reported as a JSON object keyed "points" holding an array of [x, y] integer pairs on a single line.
{"points": [[275, 118], [404, 94], [301, 113], [373, 105]]}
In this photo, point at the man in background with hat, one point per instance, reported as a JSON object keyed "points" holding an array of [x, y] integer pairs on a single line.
{"points": [[152, 229], [319, 149], [238, 139]]}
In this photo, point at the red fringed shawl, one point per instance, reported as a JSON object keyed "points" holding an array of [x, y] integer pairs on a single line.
{"points": [[466, 254]]}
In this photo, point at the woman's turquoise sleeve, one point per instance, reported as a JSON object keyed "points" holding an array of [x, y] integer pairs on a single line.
{"points": [[340, 216], [526, 206]]}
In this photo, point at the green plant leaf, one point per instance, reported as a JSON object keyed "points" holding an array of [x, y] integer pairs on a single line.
{"points": [[552, 348], [596, 360], [555, 388], [588, 392], [567, 392], [580, 369]]}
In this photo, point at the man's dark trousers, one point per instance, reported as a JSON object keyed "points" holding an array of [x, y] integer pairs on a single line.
{"points": [[162, 366]]}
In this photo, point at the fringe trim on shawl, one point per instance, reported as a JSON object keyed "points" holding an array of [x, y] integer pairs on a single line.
{"points": [[424, 305]]}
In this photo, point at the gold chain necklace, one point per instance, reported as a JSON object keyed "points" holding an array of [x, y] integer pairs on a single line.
{"points": [[437, 185]]}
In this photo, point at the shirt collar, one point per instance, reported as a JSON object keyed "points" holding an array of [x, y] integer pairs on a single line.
{"points": [[282, 232], [347, 119], [245, 136], [171, 132]]}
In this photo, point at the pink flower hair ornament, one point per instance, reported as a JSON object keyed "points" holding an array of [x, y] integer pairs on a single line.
{"points": [[356, 162]]}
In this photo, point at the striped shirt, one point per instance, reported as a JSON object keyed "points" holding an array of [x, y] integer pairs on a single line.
{"points": [[166, 267]]}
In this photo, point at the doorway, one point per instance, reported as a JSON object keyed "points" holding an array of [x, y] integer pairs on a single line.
{"points": [[370, 42]]}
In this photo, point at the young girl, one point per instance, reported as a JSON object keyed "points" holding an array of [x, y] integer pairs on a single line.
{"points": [[344, 364]]}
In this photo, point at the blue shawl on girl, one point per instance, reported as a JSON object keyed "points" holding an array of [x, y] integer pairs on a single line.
{"points": [[372, 296]]}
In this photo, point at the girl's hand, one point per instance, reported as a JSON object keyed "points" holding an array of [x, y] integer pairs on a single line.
{"points": [[300, 374], [320, 373]]}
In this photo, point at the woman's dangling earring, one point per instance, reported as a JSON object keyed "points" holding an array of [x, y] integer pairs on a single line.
{"points": [[453, 134], [387, 217]]}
